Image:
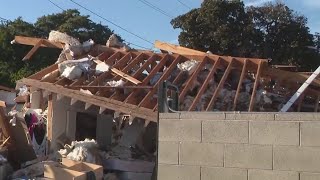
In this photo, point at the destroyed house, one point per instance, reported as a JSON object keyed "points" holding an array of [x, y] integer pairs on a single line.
{"points": [[87, 93]]}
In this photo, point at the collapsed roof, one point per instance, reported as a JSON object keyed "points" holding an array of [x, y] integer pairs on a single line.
{"points": [[206, 82]]}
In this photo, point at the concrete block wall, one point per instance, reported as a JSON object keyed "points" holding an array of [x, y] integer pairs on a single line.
{"points": [[239, 146]]}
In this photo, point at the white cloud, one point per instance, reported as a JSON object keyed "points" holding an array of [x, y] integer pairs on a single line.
{"points": [[256, 2]]}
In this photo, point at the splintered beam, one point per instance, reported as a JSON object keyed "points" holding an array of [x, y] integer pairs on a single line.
{"points": [[33, 50]]}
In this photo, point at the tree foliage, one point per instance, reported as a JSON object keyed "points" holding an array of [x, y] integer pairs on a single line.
{"points": [[227, 27], [70, 21]]}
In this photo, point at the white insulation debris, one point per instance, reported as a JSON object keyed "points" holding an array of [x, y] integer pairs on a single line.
{"points": [[188, 66], [81, 151], [86, 91], [73, 69], [119, 83], [101, 68], [56, 36]]}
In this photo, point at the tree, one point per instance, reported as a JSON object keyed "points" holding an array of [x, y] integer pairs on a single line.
{"points": [[221, 26], [226, 27], [70, 21], [285, 34]]}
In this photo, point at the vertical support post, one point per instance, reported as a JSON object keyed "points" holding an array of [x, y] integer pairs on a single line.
{"points": [[317, 104], [256, 83]]}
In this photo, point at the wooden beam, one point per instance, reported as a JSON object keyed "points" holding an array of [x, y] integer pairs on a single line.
{"points": [[316, 107], [49, 118], [204, 85], [243, 73], [177, 49], [39, 75], [191, 79], [51, 77], [2, 104], [161, 64], [33, 50], [165, 75], [33, 41], [107, 103], [255, 86], [110, 87], [126, 76], [220, 85]]}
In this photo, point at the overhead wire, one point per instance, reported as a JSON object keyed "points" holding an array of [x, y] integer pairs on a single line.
{"points": [[120, 27], [183, 4], [56, 5], [109, 22], [156, 8]]}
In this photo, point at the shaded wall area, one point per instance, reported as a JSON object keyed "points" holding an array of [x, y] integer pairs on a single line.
{"points": [[239, 146]]}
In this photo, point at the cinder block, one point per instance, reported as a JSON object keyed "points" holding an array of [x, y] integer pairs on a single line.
{"points": [[287, 117], [168, 152], [201, 154], [274, 132], [293, 158], [225, 131], [202, 116], [309, 176], [169, 116], [310, 133], [248, 156], [176, 130], [309, 116], [272, 175], [223, 174], [251, 116], [174, 172]]}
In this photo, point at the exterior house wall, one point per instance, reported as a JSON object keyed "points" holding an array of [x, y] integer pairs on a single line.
{"points": [[64, 121], [239, 146]]}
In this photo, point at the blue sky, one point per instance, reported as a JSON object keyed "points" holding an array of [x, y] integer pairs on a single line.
{"points": [[137, 17]]}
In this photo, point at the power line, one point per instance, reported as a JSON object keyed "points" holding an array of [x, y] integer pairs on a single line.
{"points": [[156, 8], [185, 5], [56, 5], [113, 23]]}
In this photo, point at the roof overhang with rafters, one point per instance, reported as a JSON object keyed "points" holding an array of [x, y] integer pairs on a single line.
{"points": [[140, 99]]}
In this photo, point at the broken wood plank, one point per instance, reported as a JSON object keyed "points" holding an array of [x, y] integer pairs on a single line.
{"points": [[205, 85], [110, 87], [220, 85], [33, 50], [33, 41], [111, 104], [192, 79], [243, 73], [51, 77], [255, 86], [126, 76], [49, 118], [39, 75]]}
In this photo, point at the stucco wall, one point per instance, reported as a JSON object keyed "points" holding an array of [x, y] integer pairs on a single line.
{"points": [[239, 146]]}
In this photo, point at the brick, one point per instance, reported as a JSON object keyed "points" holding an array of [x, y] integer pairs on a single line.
{"points": [[169, 116], [310, 133], [223, 174], [272, 175], [297, 158], [248, 156], [309, 176], [202, 116], [250, 116], [201, 154], [174, 172], [176, 130], [274, 132], [168, 152], [225, 131]]}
